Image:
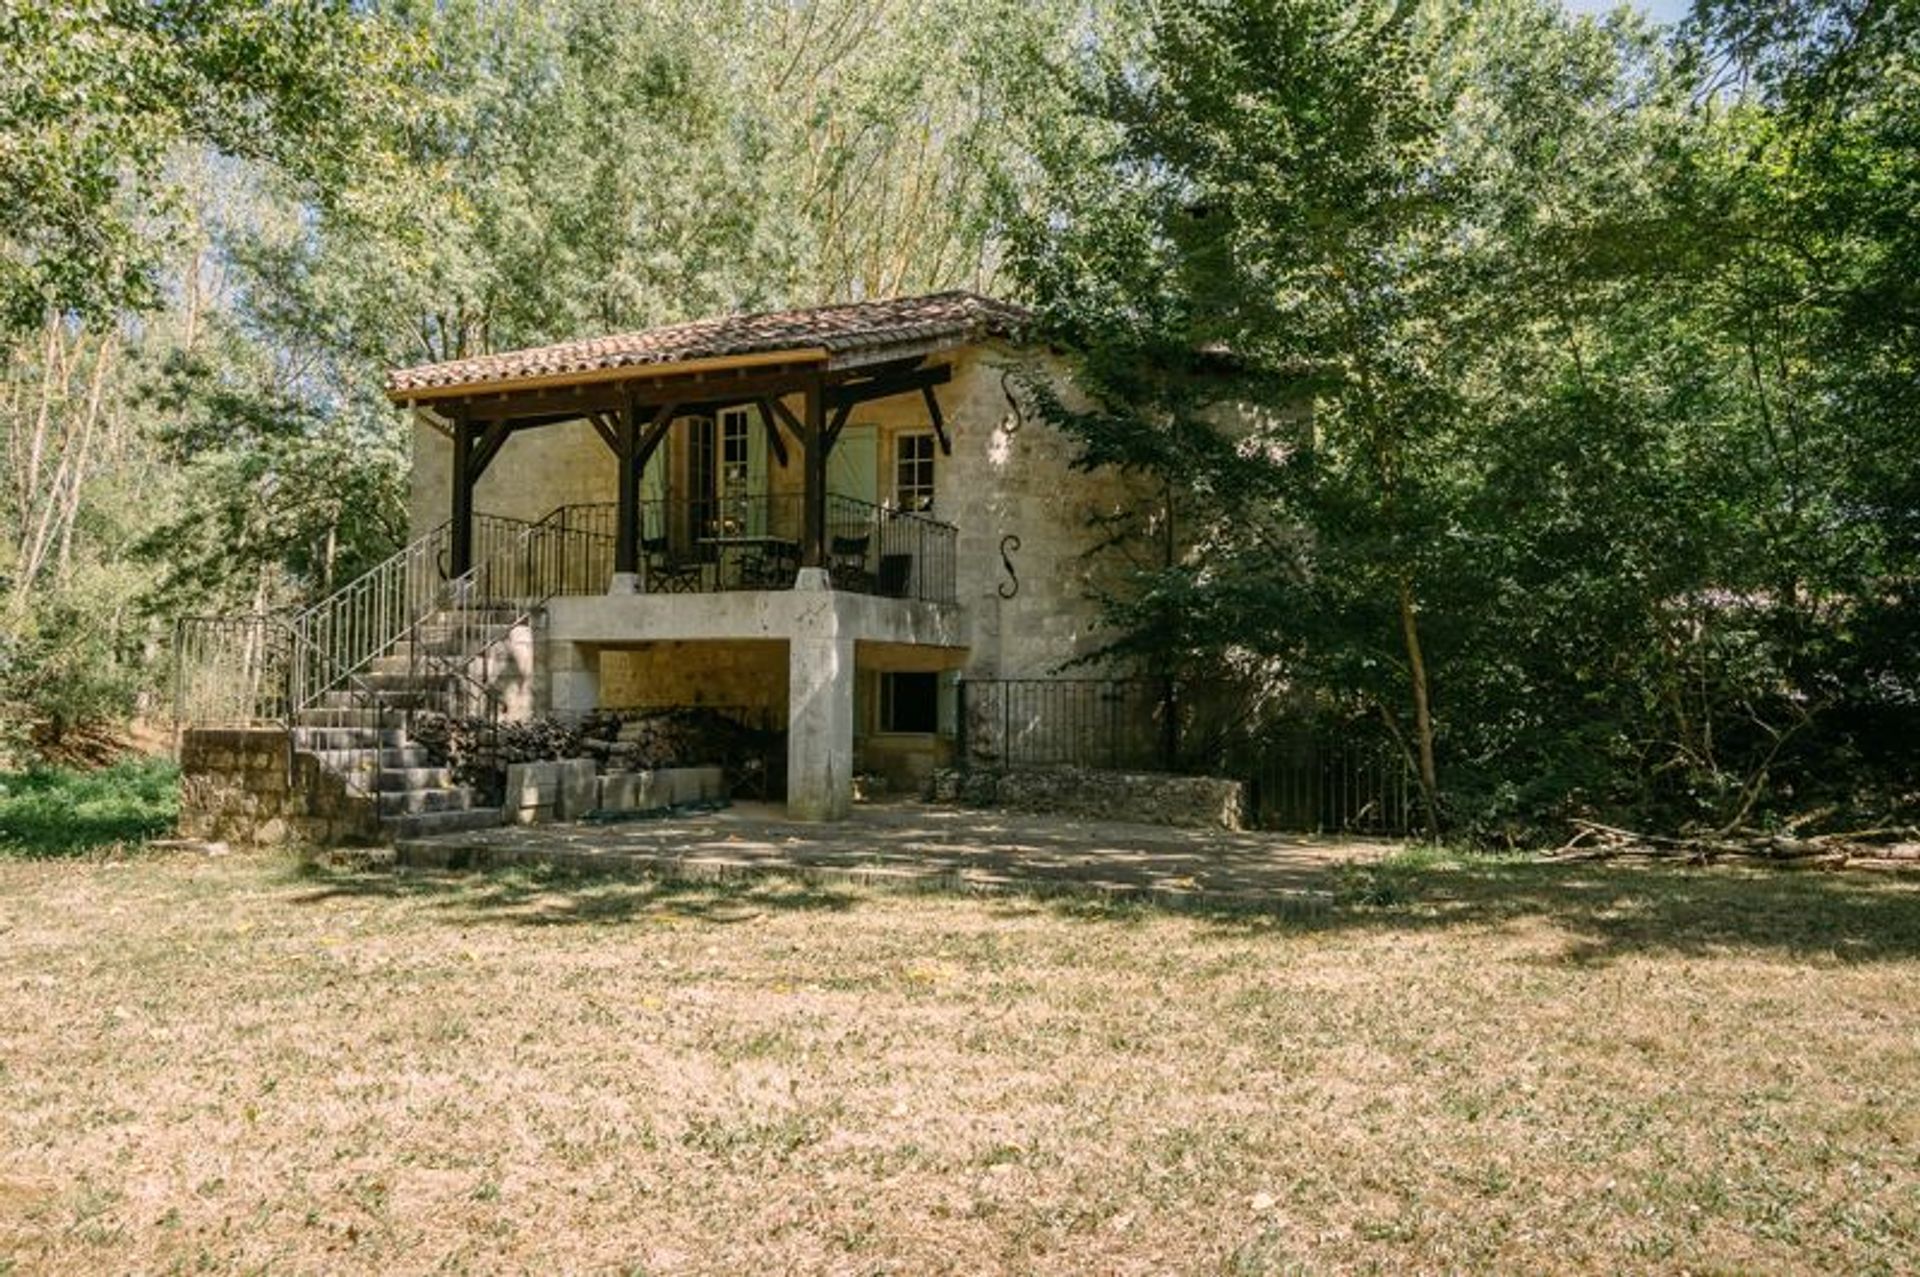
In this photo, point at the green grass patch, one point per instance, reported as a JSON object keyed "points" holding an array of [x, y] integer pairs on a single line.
{"points": [[57, 812]]}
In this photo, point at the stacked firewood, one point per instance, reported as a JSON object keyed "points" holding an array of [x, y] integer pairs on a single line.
{"points": [[636, 740], [479, 753]]}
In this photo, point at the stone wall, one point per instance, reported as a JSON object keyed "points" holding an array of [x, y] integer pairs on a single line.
{"points": [[1011, 474], [238, 786], [536, 472], [750, 673], [1198, 802]]}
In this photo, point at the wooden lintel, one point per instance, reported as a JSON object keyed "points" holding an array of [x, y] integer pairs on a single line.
{"points": [[682, 393]]}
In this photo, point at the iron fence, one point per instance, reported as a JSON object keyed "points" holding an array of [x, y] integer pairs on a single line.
{"points": [[1299, 772], [232, 671]]}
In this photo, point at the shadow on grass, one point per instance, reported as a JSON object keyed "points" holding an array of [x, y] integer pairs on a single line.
{"points": [[1607, 910], [1615, 909], [550, 898]]}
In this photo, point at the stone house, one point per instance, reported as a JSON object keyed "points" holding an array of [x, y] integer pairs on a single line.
{"points": [[820, 517]]}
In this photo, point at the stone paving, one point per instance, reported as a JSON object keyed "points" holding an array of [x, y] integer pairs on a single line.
{"points": [[922, 847]]}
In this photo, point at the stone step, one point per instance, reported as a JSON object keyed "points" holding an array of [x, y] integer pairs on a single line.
{"points": [[382, 683], [369, 758], [428, 823], [390, 700], [322, 729], [393, 778], [414, 802]]}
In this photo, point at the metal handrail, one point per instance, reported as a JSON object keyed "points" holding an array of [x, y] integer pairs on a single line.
{"points": [[365, 618]]}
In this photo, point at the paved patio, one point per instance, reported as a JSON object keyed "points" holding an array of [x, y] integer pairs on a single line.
{"points": [[920, 847]]}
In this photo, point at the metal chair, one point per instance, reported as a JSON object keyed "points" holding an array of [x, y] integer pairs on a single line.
{"points": [[847, 562], [665, 573]]}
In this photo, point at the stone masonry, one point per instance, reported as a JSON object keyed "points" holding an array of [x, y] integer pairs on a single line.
{"points": [[246, 786], [1194, 802]]}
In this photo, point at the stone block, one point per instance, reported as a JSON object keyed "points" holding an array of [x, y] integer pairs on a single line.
{"points": [[532, 784], [575, 784], [630, 791]]}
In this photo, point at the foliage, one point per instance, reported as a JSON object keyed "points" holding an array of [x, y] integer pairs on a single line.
{"points": [[97, 96], [57, 812], [1609, 374], [223, 222], [1542, 388]]}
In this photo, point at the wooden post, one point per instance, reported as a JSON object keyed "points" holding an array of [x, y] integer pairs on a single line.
{"points": [[462, 539], [626, 531], [813, 547]]}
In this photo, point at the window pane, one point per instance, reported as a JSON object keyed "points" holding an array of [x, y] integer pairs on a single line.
{"points": [[909, 702], [913, 472]]}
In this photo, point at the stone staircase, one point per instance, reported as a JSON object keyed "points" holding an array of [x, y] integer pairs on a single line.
{"points": [[347, 676], [360, 734]]}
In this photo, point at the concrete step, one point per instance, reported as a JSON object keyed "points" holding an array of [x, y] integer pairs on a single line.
{"points": [[414, 802], [428, 823], [393, 778]]}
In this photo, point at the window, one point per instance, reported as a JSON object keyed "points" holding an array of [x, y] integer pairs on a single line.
{"points": [[913, 472], [733, 453], [909, 702]]}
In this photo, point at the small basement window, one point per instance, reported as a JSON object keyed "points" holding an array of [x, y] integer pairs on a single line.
{"points": [[909, 702]]}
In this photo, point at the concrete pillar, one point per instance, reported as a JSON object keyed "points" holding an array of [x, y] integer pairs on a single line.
{"points": [[819, 727], [573, 680]]}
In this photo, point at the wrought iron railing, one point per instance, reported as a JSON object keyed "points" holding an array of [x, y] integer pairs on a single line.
{"points": [[879, 550], [266, 668], [708, 545], [232, 671], [1299, 772], [347, 630]]}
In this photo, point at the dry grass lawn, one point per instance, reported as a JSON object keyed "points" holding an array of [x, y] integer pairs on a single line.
{"points": [[222, 1064]]}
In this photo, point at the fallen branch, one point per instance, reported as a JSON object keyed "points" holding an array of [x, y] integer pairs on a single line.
{"points": [[1593, 840]]}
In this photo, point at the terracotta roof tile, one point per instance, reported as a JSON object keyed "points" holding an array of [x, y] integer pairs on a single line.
{"points": [[843, 330]]}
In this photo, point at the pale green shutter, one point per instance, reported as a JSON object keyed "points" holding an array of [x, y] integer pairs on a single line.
{"points": [[653, 493], [756, 472], [853, 468]]}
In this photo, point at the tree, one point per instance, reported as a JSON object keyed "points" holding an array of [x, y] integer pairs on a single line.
{"points": [[1251, 215]]}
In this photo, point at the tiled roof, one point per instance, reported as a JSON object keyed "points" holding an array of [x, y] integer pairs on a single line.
{"points": [[843, 330]]}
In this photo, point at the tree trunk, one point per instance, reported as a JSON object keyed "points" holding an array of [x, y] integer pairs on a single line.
{"points": [[1422, 711]]}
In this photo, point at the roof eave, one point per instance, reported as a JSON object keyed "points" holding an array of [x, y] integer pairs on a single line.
{"points": [[410, 395]]}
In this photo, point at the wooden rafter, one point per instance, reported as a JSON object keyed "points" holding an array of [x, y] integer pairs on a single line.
{"points": [[867, 390], [484, 449], [939, 421], [776, 442], [605, 424]]}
